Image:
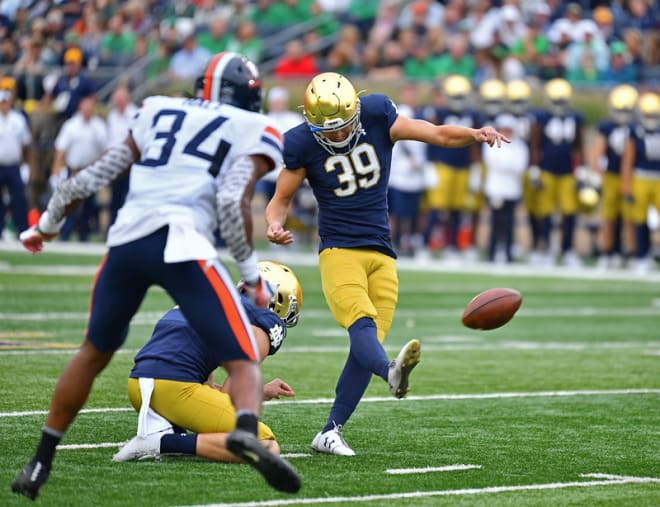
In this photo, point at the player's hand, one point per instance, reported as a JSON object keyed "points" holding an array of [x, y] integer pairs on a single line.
{"points": [[259, 293], [33, 239], [491, 136], [277, 388], [278, 234]]}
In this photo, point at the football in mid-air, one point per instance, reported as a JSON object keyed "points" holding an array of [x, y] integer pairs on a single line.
{"points": [[492, 308]]}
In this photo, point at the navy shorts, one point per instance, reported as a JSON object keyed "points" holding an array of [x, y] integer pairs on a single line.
{"points": [[204, 291]]}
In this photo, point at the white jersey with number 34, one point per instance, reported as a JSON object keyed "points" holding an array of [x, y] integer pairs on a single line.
{"points": [[187, 148]]}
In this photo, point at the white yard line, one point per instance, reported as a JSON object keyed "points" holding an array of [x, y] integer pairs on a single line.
{"points": [[607, 480], [427, 470], [386, 399]]}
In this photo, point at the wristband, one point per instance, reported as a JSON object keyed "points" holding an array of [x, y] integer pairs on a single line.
{"points": [[46, 224], [248, 269]]}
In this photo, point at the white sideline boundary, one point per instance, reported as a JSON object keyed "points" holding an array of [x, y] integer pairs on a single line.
{"points": [[389, 399], [293, 258], [602, 480], [428, 470]]}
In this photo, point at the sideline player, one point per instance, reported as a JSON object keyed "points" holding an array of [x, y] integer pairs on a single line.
{"points": [[344, 149], [171, 383], [192, 162]]}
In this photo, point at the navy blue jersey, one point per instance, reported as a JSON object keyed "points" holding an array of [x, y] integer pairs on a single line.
{"points": [[351, 188], [615, 136], [176, 352], [647, 149], [559, 135], [454, 157]]}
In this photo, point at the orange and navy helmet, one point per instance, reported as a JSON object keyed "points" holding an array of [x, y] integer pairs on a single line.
{"points": [[231, 78]]}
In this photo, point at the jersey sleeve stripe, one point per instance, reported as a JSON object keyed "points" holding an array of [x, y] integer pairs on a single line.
{"points": [[274, 132], [268, 140], [233, 314]]}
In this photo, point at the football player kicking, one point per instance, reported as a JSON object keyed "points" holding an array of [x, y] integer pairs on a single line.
{"points": [[344, 149], [193, 165], [172, 384]]}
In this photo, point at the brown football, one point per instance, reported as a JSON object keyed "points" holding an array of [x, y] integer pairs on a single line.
{"points": [[492, 308]]}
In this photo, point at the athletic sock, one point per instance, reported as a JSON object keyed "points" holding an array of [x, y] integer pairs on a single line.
{"points": [[366, 348], [178, 443], [247, 421], [50, 438]]}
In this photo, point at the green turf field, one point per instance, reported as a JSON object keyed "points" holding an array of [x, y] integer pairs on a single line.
{"points": [[559, 407]]}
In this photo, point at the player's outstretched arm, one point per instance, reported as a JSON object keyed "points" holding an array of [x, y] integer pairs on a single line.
{"points": [[276, 212], [115, 161], [451, 136]]}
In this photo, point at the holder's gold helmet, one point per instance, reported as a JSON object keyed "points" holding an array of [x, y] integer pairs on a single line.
{"points": [[558, 93], [457, 89], [493, 94], [649, 110], [518, 94], [622, 101], [287, 301], [332, 104]]}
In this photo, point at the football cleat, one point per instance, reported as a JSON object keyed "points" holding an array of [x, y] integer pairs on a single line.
{"points": [[400, 368], [332, 442], [32, 477], [277, 471], [139, 448]]}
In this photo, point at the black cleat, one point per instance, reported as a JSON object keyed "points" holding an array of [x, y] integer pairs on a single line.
{"points": [[30, 480], [277, 471]]}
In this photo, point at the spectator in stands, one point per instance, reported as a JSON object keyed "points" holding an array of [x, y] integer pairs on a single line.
{"points": [[642, 16], [621, 70], [604, 18], [246, 42], [342, 59], [386, 23], [118, 44], [121, 113], [29, 72], [215, 38], [15, 138], [139, 20], [458, 59], [362, 13], [71, 87], [421, 65], [190, 61], [588, 56], [81, 140], [634, 41], [296, 62], [511, 27]]}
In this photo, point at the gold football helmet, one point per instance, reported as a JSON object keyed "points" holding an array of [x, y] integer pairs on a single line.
{"points": [[332, 104], [287, 301], [518, 94], [558, 93], [457, 89], [649, 110], [492, 93], [622, 100]]}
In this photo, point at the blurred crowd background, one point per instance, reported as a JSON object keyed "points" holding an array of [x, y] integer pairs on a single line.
{"points": [[76, 71]]}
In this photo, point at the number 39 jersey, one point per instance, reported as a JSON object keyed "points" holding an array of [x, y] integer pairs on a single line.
{"points": [[187, 147], [351, 188]]}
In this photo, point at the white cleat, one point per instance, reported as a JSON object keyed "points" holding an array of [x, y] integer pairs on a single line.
{"points": [[400, 368], [139, 448], [332, 442]]}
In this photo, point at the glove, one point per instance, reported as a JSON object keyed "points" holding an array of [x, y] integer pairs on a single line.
{"points": [[260, 293], [33, 238], [535, 177]]}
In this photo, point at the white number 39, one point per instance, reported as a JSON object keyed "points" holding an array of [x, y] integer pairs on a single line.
{"points": [[361, 170]]}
